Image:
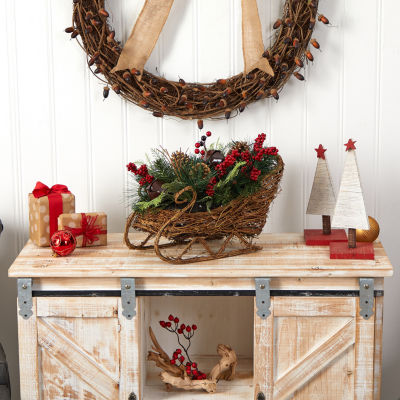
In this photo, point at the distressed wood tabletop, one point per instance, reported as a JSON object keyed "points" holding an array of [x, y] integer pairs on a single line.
{"points": [[282, 255]]}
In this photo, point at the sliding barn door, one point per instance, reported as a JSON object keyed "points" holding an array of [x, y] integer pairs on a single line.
{"points": [[313, 348], [79, 348]]}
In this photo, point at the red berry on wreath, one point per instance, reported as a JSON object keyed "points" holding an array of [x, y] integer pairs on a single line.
{"points": [[194, 365], [197, 145], [179, 351], [188, 329], [163, 324], [171, 317], [208, 133], [176, 320], [180, 331], [194, 327], [181, 359], [183, 326], [202, 152], [196, 151], [173, 362], [168, 324]]}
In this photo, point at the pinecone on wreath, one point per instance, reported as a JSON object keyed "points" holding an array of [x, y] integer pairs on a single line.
{"points": [[240, 147], [178, 159], [206, 169]]}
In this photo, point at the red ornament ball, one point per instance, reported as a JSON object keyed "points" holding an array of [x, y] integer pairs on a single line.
{"points": [[63, 243]]}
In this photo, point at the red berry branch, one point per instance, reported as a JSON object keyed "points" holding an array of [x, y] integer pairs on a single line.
{"points": [[178, 357], [141, 171], [202, 143]]}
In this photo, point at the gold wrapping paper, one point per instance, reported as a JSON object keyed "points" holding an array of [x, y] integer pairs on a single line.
{"points": [[74, 221], [39, 217]]}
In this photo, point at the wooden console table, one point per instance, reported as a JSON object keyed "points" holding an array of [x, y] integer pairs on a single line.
{"points": [[304, 326]]}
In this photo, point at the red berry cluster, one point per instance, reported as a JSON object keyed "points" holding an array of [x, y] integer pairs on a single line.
{"points": [[141, 171], [259, 142], [254, 174], [178, 357], [202, 143], [246, 156], [229, 160], [210, 187], [194, 373], [258, 153]]}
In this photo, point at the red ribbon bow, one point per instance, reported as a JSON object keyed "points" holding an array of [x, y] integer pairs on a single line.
{"points": [[55, 201], [43, 190], [88, 230]]}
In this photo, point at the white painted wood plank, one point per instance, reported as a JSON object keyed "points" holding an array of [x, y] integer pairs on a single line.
{"points": [[364, 358], [215, 49], [77, 307], [387, 193], [33, 98], [70, 94], [107, 131], [28, 356], [324, 88], [360, 90], [131, 375], [263, 366], [177, 61]]}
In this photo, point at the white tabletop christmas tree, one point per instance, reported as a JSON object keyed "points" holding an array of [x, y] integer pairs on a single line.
{"points": [[322, 202], [350, 209]]}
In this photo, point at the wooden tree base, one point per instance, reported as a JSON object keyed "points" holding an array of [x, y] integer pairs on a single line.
{"points": [[341, 251], [316, 237]]}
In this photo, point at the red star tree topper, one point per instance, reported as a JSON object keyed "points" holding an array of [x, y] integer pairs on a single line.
{"points": [[320, 152], [350, 145], [322, 202]]}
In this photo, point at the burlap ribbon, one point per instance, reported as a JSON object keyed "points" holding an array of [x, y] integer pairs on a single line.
{"points": [[150, 23]]}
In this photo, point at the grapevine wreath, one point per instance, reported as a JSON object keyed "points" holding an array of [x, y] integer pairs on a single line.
{"points": [[194, 100]]}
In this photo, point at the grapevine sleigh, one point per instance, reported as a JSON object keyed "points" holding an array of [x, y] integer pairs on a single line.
{"points": [[228, 202]]}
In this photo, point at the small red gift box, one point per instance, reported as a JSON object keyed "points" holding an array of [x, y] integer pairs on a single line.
{"points": [[90, 229]]}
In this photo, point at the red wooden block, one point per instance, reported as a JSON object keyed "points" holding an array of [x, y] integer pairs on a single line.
{"points": [[315, 237], [363, 251]]}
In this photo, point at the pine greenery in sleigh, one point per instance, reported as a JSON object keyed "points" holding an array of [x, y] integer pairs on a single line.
{"points": [[213, 198]]}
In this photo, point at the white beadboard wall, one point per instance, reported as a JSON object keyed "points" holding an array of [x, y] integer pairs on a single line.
{"points": [[55, 126]]}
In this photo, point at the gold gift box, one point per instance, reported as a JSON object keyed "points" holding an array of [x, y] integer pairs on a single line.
{"points": [[97, 228], [39, 217]]}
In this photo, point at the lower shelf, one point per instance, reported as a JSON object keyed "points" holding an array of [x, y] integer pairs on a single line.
{"points": [[240, 388]]}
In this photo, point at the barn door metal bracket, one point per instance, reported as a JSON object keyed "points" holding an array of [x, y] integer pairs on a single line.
{"points": [[263, 299], [128, 297], [366, 297], [25, 297]]}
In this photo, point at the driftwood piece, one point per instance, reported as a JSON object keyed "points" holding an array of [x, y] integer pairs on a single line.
{"points": [[174, 375], [226, 368], [186, 383], [160, 357]]}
